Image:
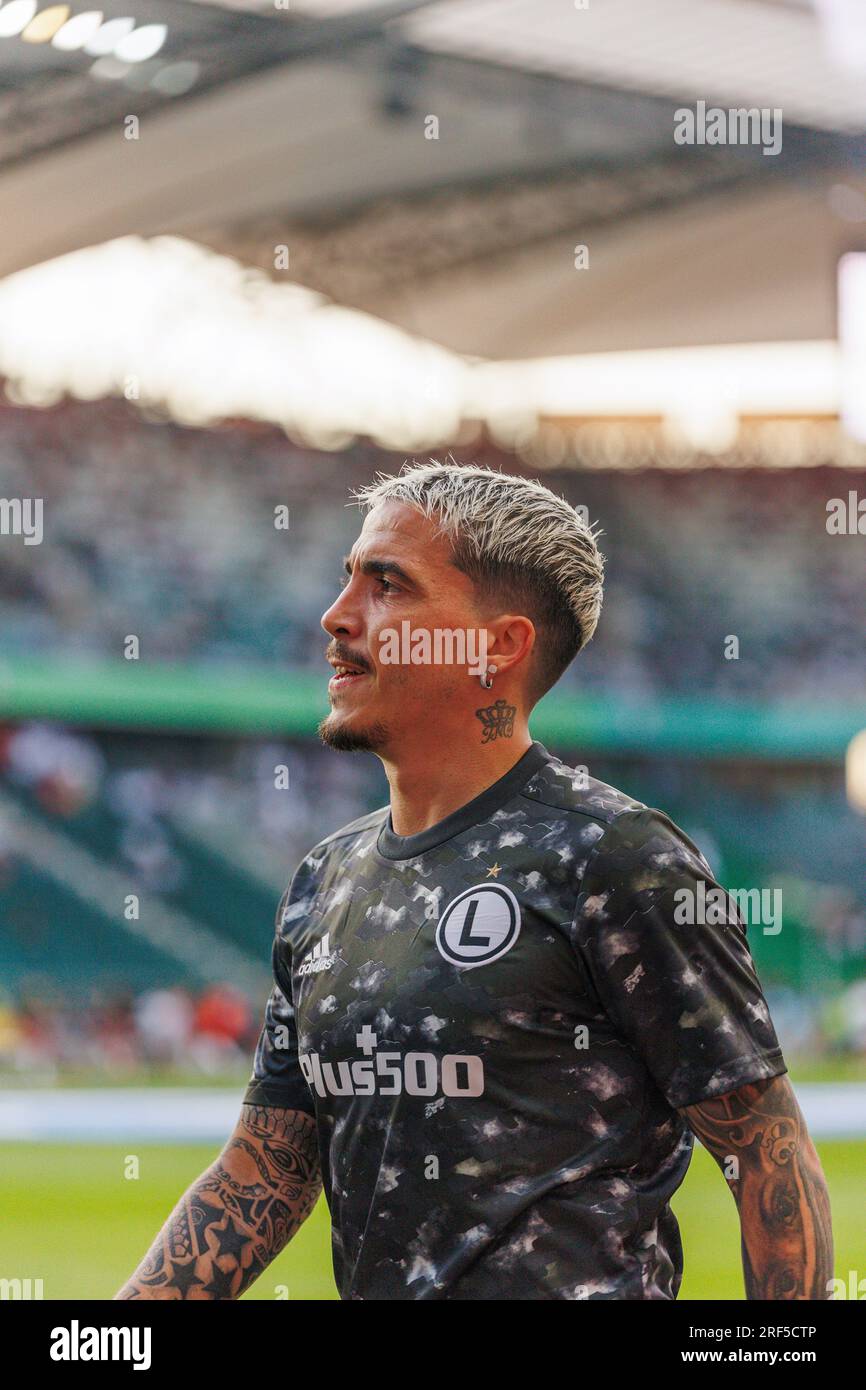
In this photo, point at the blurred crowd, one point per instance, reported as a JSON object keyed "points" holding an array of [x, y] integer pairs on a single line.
{"points": [[155, 790], [210, 1034], [152, 806], [169, 534]]}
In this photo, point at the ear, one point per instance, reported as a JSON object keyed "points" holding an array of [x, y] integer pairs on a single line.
{"points": [[510, 642]]}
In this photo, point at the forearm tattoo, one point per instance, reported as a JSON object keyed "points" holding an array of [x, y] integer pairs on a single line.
{"points": [[239, 1214], [758, 1137]]}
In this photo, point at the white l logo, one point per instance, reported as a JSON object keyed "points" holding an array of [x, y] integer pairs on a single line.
{"points": [[479, 926]]}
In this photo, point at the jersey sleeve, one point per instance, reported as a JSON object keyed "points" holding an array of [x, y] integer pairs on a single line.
{"points": [[277, 1078], [678, 984]]}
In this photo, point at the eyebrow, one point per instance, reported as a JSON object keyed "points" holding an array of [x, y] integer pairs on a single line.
{"points": [[379, 568]]}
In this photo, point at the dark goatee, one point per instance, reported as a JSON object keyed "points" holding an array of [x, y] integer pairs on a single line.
{"points": [[348, 740]]}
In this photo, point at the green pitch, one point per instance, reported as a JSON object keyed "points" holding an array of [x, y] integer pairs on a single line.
{"points": [[71, 1218]]}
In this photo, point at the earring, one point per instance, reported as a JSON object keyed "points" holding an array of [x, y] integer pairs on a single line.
{"points": [[487, 679]]}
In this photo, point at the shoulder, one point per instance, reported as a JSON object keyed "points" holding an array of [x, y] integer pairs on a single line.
{"points": [[339, 839], [565, 788], [622, 836], [643, 845], [338, 846]]}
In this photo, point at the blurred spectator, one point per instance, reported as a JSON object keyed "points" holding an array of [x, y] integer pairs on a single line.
{"points": [[164, 1020], [175, 1032], [168, 533], [223, 1020], [162, 1030], [63, 770]]}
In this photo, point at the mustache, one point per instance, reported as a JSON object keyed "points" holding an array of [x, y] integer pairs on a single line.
{"points": [[338, 651]]}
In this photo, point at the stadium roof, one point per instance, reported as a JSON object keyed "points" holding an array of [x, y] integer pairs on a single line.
{"points": [[251, 110], [781, 53], [304, 128]]}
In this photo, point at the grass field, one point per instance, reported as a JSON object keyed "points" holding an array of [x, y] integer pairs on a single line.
{"points": [[69, 1217]]}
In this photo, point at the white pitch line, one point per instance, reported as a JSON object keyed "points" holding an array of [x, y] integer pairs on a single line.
{"points": [[181, 1115]]}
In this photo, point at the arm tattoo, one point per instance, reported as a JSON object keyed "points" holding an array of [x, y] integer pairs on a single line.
{"points": [[758, 1137], [239, 1214]]}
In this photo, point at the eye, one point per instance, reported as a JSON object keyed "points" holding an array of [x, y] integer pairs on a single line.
{"points": [[386, 586]]}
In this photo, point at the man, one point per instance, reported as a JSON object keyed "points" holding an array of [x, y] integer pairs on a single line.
{"points": [[493, 1031]]}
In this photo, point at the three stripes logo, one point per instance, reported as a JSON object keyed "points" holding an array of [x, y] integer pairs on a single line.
{"points": [[320, 958]]}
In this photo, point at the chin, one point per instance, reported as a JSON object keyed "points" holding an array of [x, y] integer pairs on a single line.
{"points": [[342, 735]]}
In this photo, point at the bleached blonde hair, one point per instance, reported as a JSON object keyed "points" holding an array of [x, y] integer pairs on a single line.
{"points": [[517, 540]]}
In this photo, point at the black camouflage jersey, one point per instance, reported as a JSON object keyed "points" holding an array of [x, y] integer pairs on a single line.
{"points": [[494, 1023]]}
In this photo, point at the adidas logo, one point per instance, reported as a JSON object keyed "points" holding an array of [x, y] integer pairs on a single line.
{"points": [[320, 958]]}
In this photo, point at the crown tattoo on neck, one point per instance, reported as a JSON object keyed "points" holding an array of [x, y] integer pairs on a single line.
{"points": [[498, 721]]}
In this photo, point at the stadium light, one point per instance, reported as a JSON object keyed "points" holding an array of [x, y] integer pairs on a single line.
{"points": [[852, 341], [108, 69], [709, 429], [843, 25], [16, 16], [158, 310], [141, 44], [45, 24], [696, 387], [176, 78], [108, 36], [855, 772], [77, 31]]}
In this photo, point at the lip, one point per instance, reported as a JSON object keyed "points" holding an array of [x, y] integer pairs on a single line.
{"points": [[340, 683]]}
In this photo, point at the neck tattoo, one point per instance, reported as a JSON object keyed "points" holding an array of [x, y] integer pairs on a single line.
{"points": [[498, 721]]}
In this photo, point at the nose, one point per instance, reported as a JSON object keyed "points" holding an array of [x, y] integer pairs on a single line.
{"points": [[341, 619]]}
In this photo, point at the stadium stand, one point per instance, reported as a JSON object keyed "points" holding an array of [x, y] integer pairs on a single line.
{"points": [[169, 534]]}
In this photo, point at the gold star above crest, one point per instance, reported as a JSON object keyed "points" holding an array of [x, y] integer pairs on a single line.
{"points": [[494, 872]]}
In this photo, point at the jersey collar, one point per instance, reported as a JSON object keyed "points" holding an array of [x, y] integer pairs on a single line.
{"points": [[479, 809]]}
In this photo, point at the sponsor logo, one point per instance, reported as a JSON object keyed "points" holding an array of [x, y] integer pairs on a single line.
{"points": [[393, 1073], [479, 926], [320, 958]]}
